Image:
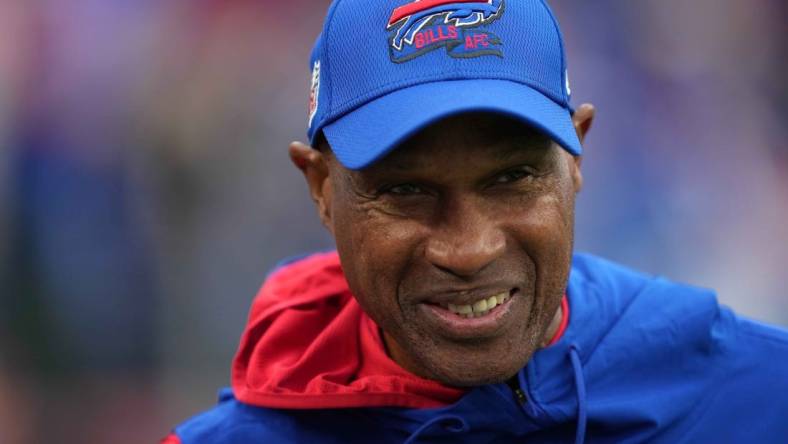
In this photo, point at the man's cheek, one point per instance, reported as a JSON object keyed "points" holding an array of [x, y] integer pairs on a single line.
{"points": [[392, 243], [541, 228]]}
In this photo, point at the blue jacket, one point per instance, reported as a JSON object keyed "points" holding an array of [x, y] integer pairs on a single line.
{"points": [[643, 359]]}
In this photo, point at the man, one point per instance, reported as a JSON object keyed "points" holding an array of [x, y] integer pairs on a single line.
{"points": [[445, 160]]}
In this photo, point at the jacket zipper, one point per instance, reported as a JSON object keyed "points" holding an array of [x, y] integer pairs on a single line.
{"points": [[519, 394], [521, 398]]}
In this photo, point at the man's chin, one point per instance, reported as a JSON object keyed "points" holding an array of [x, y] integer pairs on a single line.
{"points": [[473, 371], [465, 364], [473, 377]]}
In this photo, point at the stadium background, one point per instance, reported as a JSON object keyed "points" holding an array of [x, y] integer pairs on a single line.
{"points": [[145, 187]]}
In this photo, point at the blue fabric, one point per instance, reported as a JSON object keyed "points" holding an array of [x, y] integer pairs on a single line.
{"points": [[363, 68], [643, 360], [384, 123]]}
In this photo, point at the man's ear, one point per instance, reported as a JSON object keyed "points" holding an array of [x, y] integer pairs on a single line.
{"points": [[582, 120], [314, 165]]}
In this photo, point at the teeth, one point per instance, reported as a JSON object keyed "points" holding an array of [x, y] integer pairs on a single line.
{"points": [[461, 309], [480, 307]]}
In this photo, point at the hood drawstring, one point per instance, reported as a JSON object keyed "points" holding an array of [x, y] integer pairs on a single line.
{"points": [[580, 387], [450, 423]]}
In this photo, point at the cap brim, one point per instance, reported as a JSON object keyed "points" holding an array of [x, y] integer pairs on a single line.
{"points": [[368, 133]]}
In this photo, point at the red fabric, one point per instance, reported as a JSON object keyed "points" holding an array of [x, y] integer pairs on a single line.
{"points": [[171, 439], [420, 5], [564, 322], [309, 345]]}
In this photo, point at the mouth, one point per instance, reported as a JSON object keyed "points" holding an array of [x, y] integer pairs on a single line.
{"points": [[480, 308], [468, 319]]}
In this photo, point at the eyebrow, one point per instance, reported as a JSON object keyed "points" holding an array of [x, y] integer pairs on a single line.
{"points": [[403, 165], [509, 152], [524, 143]]}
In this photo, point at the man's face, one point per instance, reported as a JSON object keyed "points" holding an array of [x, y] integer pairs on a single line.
{"points": [[474, 208]]}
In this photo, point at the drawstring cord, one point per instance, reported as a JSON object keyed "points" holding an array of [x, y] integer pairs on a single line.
{"points": [[457, 425], [580, 387]]}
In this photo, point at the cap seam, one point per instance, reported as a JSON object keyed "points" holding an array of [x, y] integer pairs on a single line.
{"points": [[350, 105], [327, 62], [561, 47]]}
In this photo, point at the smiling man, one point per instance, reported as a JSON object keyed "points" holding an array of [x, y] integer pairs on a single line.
{"points": [[444, 158], [457, 244]]}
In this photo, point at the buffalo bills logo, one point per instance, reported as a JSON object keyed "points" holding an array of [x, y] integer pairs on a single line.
{"points": [[425, 25]]}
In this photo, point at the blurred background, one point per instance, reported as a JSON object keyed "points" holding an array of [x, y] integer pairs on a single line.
{"points": [[145, 187]]}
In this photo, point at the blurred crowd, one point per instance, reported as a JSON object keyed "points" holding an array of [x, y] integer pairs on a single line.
{"points": [[145, 188]]}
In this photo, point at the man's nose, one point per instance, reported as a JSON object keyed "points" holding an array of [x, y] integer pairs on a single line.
{"points": [[465, 242]]}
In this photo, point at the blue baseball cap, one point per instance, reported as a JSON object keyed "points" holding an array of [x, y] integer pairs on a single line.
{"points": [[383, 70]]}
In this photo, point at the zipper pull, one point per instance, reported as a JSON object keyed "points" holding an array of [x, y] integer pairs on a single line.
{"points": [[519, 394]]}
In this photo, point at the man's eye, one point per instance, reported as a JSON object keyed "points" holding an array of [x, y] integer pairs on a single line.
{"points": [[512, 176], [405, 189]]}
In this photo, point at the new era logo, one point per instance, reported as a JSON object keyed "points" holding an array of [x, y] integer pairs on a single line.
{"points": [[314, 92]]}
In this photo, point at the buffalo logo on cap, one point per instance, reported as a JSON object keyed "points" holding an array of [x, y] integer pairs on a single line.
{"points": [[425, 25]]}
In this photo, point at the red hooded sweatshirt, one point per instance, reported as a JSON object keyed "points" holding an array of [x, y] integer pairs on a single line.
{"points": [[309, 345]]}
